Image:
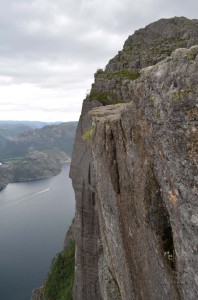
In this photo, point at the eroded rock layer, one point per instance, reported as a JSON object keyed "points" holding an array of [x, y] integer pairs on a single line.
{"points": [[134, 171]]}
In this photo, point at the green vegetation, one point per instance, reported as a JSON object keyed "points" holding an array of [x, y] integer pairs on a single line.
{"points": [[59, 283], [99, 71], [104, 97], [192, 54], [127, 74], [148, 60], [109, 97], [87, 134], [178, 95], [100, 96], [123, 73]]}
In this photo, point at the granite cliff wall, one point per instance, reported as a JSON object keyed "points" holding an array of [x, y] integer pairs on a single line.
{"points": [[134, 170]]}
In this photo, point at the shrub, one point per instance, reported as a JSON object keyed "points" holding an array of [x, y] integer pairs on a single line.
{"points": [[59, 283], [123, 73], [87, 134], [104, 97]]}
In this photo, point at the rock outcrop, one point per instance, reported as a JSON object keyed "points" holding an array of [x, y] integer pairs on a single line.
{"points": [[134, 171]]}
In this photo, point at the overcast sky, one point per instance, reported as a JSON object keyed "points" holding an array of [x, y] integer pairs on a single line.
{"points": [[50, 49]]}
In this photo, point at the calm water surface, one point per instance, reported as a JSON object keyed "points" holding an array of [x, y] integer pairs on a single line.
{"points": [[34, 217]]}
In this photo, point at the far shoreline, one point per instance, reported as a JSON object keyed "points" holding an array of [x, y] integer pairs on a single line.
{"points": [[35, 179]]}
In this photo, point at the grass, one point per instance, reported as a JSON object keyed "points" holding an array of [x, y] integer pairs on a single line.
{"points": [[100, 96], [124, 74], [59, 284], [104, 97], [87, 134]]}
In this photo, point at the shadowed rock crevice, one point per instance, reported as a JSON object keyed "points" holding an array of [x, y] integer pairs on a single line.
{"points": [[112, 159], [158, 220]]}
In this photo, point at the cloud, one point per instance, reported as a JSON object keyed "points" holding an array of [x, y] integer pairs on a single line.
{"points": [[54, 47]]}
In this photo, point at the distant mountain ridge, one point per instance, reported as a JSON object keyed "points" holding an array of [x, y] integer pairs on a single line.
{"points": [[49, 137], [37, 153], [13, 128], [32, 124]]}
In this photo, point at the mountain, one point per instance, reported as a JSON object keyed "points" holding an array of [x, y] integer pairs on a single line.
{"points": [[2, 141], [31, 124], [49, 137], [35, 154], [13, 130], [134, 171]]}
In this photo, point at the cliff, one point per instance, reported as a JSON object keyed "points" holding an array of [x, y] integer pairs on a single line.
{"points": [[134, 170]]}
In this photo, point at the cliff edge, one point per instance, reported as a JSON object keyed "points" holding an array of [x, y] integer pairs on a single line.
{"points": [[134, 170]]}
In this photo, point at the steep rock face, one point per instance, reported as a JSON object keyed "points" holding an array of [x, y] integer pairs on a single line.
{"points": [[145, 160], [86, 218], [132, 251]]}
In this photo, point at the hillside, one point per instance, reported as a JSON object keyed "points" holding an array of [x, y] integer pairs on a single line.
{"points": [[10, 130], [37, 153], [49, 137], [13, 128]]}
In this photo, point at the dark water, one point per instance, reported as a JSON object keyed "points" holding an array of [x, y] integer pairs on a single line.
{"points": [[34, 217]]}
